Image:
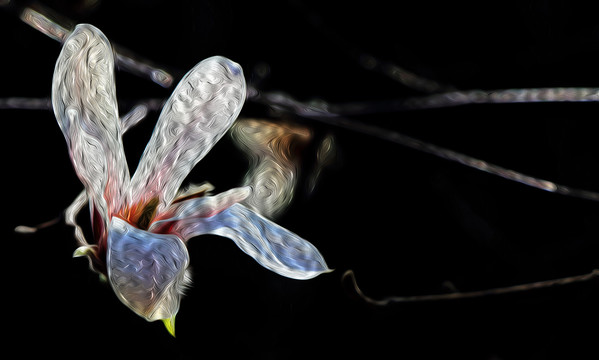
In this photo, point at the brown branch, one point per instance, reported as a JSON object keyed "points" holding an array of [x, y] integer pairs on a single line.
{"points": [[349, 277], [38, 17]]}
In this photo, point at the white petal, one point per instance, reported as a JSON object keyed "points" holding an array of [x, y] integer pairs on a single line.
{"points": [[271, 245], [84, 102], [201, 109], [146, 271], [200, 207]]}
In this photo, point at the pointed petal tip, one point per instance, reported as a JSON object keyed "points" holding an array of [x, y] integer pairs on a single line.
{"points": [[303, 274], [170, 325], [311, 274], [82, 251], [234, 68], [243, 192]]}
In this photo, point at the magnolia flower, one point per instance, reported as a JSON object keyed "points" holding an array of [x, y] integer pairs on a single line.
{"points": [[141, 224]]}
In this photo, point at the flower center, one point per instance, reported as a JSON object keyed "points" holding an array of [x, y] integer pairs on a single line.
{"points": [[141, 215]]}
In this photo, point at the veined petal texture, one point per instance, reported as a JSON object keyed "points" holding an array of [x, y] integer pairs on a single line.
{"points": [[147, 271], [199, 112], [201, 207], [271, 245], [84, 102]]}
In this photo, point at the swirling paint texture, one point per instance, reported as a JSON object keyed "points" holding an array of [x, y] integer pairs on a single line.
{"points": [[84, 102], [141, 225], [199, 112], [272, 149], [145, 269]]}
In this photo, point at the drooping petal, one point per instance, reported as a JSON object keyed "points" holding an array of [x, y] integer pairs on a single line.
{"points": [[271, 245], [201, 109], [84, 102], [147, 271]]}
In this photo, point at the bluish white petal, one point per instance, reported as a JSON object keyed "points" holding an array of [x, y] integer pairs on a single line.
{"points": [[199, 112], [271, 245], [200, 207], [146, 271]]}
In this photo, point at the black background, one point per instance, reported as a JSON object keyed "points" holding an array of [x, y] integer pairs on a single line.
{"points": [[405, 222]]}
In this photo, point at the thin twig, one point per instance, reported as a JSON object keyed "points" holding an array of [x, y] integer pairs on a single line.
{"points": [[368, 61], [24, 229], [322, 114], [467, 97], [288, 104], [23, 103], [40, 20], [349, 277]]}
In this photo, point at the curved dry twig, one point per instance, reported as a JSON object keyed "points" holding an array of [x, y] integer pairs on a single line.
{"points": [[349, 279]]}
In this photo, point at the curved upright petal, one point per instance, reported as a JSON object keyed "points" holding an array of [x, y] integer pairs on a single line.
{"points": [[84, 102], [199, 112], [271, 245]]}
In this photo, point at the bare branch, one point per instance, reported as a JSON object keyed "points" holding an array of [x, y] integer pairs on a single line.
{"points": [[324, 115], [40, 20], [23, 103], [402, 75], [467, 97], [320, 113], [349, 277]]}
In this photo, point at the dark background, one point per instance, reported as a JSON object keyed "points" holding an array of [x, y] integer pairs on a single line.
{"points": [[405, 222]]}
